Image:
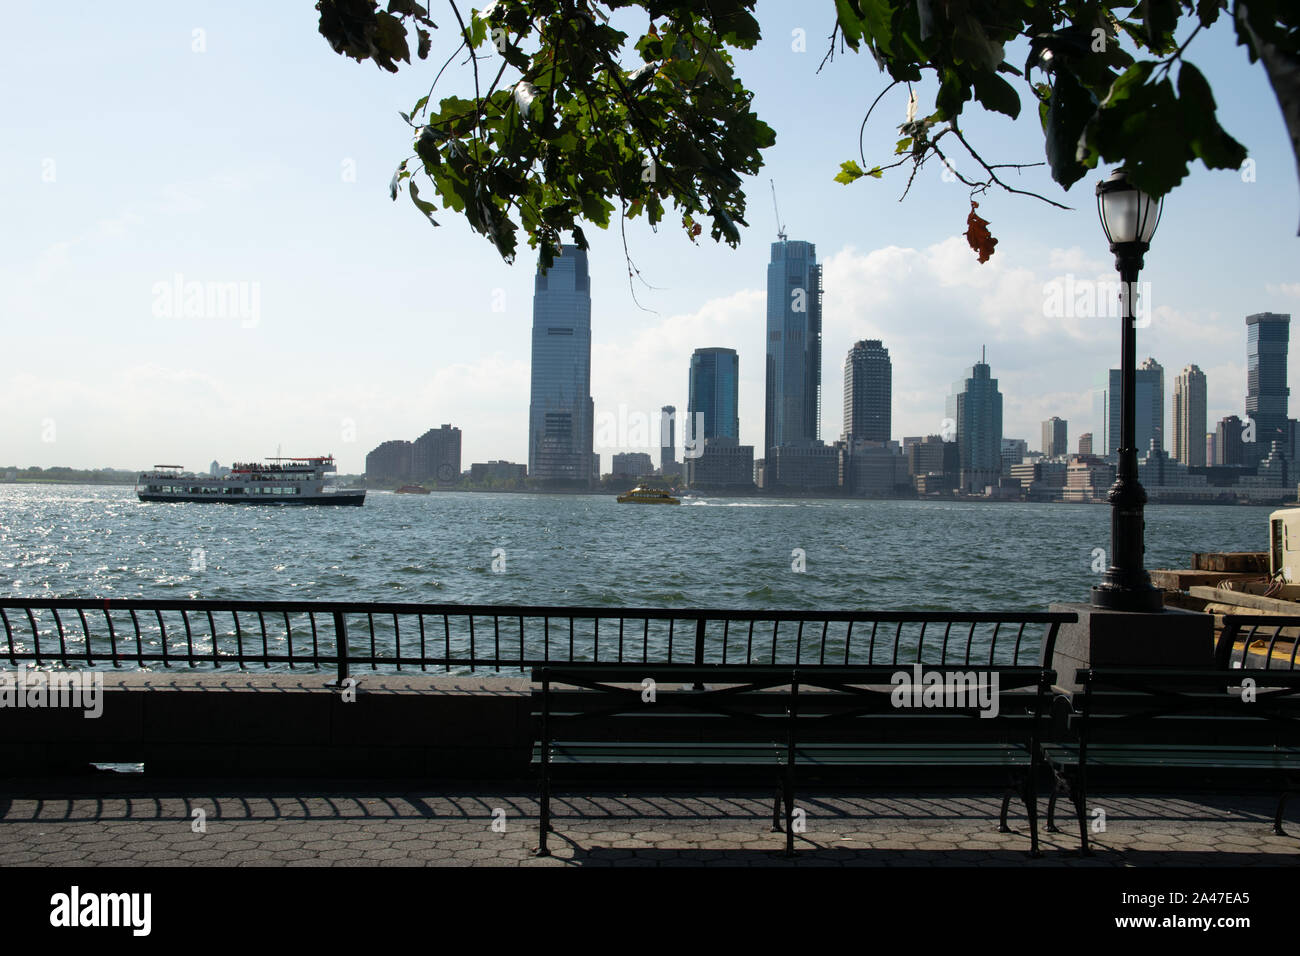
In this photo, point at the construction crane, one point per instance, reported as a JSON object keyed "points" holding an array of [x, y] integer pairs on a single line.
{"points": [[780, 228]]}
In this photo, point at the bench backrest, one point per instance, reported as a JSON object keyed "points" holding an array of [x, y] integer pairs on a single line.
{"points": [[828, 704], [1235, 707]]}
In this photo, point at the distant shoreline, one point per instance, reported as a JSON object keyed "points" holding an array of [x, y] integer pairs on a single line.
{"points": [[760, 495]]}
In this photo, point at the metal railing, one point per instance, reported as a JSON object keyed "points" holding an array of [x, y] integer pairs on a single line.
{"points": [[1263, 641], [287, 635]]}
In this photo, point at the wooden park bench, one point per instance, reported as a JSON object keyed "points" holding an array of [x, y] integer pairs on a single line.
{"points": [[783, 724], [1153, 721]]}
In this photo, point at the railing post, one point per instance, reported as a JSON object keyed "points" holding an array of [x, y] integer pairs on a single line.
{"points": [[341, 641], [699, 647]]}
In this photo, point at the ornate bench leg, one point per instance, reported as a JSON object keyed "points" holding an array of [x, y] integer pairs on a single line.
{"points": [[1006, 805], [789, 816], [1277, 817], [1079, 798], [544, 816], [1058, 784], [1031, 807]]}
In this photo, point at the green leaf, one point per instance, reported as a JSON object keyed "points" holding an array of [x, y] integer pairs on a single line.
{"points": [[423, 205], [1207, 139], [1068, 114], [851, 22], [995, 93], [1160, 17], [849, 172], [953, 92]]}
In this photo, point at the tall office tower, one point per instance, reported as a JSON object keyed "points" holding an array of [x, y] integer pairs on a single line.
{"points": [[1055, 438], [713, 396], [1211, 448], [1189, 417], [1149, 402], [1229, 449], [560, 411], [1267, 335], [868, 392], [1085, 443], [794, 345], [390, 461], [976, 407], [436, 455], [667, 438]]}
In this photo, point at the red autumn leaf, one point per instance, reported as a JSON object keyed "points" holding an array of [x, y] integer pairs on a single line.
{"points": [[977, 234]]}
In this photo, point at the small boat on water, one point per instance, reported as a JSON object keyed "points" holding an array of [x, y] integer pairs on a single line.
{"points": [[641, 495], [412, 490], [288, 481]]}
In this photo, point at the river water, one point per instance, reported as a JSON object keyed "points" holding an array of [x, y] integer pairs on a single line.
{"points": [[79, 540]]}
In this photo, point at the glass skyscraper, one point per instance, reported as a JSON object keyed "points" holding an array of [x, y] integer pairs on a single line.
{"points": [[868, 392], [794, 345], [975, 406], [714, 393], [1267, 395], [1149, 408], [561, 413]]}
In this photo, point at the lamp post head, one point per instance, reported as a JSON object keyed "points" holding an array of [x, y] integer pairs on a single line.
{"points": [[1129, 218]]}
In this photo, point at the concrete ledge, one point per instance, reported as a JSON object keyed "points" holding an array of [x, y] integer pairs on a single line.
{"points": [[245, 724], [1172, 638]]}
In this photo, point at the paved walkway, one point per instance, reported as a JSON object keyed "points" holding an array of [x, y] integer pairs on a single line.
{"points": [[331, 825]]}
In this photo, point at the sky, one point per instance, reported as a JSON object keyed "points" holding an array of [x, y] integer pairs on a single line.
{"points": [[155, 144]]}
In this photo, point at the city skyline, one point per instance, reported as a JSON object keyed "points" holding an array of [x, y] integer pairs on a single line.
{"points": [[372, 324]]}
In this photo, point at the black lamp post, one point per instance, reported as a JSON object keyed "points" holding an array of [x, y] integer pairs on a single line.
{"points": [[1129, 217]]}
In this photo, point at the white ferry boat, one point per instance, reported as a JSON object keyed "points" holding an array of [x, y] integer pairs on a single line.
{"points": [[286, 481]]}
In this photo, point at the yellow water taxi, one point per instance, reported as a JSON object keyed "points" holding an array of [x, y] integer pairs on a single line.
{"points": [[641, 495]]}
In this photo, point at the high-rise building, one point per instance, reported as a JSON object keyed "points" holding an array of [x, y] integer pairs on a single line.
{"points": [[722, 463], [932, 455], [1267, 395], [1055, 437], [1085, 443], [975, 406], [1211, 448], [481, 471], [1012, 452], [1189, 417], [794, 345], [390, 461], [872, 469], [802, 465], [632, 464], [560, 412], [667, 439], [436, 455], [1149, 408], [868, 392], [713, 398], [1229, 448]]}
